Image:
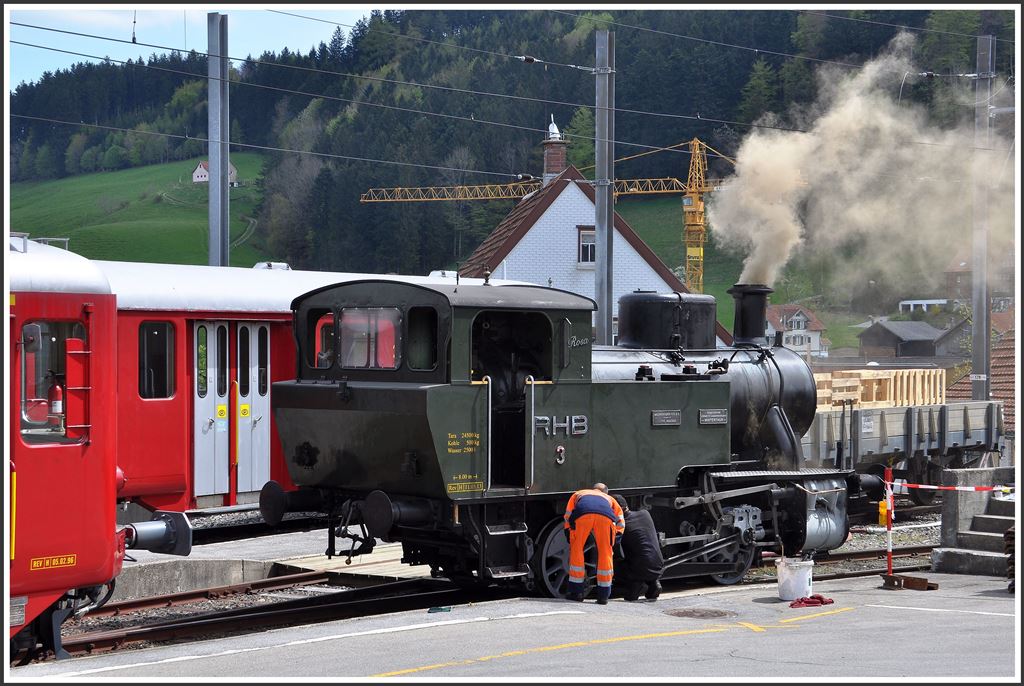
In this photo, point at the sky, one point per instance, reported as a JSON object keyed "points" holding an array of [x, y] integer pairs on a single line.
{"points": [[252, 30]]}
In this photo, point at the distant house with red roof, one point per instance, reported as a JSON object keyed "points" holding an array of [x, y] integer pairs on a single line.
{"points": [[549, 238], [801, 329]]}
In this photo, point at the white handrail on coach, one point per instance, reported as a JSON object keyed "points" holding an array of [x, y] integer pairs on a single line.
{"points": [[529, 424]]}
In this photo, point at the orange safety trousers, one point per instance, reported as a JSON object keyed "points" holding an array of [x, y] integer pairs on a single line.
{"points": [[603, 530]]}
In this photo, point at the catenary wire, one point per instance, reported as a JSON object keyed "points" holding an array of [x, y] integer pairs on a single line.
{"points": [[423, 40], [651, 148], [898, 26], [697, 117], [757, 51], [264, 147]]}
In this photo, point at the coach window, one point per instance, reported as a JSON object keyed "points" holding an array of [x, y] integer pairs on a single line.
{"points": [[320, 337], [201, 352], [43, 380], [369, 338], [421, 346], [243, 361], [156, 359], [222, 361], [262, 359]]}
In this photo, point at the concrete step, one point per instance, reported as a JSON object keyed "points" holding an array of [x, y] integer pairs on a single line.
{"points": [[995, 524], [980, 540], [962, 561], [1000, 506]]}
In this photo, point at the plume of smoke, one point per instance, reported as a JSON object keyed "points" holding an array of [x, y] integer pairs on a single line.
{"points": [[870, 176]]}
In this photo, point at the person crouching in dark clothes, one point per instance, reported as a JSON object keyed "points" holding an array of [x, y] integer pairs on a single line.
{"points": [[641, 565]]}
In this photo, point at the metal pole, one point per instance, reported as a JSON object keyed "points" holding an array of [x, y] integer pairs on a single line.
{"points": [[610, 175], [219, 132], [980, 329], [602, 193]]}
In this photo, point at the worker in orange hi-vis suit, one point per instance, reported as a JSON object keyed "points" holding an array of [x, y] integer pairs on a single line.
{"points": [[592, 512]]}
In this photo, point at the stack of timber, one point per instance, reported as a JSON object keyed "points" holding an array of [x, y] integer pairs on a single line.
{"points": [[871, 388]]}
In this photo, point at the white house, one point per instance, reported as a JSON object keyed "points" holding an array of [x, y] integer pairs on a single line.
{"points": [[801, 329], [549, 239], [201, 174]]}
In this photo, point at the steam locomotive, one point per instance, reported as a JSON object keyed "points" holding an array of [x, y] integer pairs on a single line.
{"points": [[458, 420]]}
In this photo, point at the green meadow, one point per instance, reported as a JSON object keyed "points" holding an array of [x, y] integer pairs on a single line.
{"points": [[144, 214]]}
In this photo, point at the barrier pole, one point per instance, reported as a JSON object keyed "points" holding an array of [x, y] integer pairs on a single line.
{"points": [[890, 502]]}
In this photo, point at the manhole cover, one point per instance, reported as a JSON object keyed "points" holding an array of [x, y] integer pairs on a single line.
{"points": [[700, 613]]}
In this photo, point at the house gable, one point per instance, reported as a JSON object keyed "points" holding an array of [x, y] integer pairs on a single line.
{"points": [[539, 240]]}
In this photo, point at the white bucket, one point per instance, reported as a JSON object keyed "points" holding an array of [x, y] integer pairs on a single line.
{"points": [[794, 577]]}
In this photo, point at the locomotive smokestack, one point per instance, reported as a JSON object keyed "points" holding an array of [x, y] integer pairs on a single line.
{"points": [[751, 305]]}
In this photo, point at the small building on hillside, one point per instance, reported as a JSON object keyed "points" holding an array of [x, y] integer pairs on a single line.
{"points": [[549, 238], [801, 329], [898, 339], [201, 174]]}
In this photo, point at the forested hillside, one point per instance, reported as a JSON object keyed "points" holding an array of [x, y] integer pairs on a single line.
{"points": [[367, 102]]}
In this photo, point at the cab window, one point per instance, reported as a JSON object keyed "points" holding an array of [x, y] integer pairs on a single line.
{"points": [[43, 379], [369, 338]]}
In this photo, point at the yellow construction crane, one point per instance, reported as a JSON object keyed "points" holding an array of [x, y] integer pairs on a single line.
{"points": [[694, 221]]}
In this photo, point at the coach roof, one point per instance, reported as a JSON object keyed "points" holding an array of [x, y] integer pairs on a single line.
{"points": [[199, 288]]}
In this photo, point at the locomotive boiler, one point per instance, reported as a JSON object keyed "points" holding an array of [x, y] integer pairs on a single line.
{"points": [[458, 420]]}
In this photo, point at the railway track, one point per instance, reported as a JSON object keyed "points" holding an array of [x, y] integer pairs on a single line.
{"points": [[385, 598]]}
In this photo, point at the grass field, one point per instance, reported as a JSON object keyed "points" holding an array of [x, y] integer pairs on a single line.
{"points": [[145, 214]]}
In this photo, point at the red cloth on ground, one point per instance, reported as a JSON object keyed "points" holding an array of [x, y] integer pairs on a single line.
{"points": [[812, 601]]}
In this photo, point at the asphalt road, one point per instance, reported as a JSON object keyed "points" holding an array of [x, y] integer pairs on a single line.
{"points": [[965, 630]]}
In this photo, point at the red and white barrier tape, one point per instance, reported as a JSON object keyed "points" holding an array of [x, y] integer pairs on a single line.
{"points": [[1002, 489]]}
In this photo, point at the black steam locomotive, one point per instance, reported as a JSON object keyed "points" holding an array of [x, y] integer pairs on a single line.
{"points": [[458, 419]]}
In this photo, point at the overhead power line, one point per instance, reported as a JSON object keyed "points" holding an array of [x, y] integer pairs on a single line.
{"points": [[265, 147], [759, 51], [471, 119], [697, 117], [426, 40], [898, 26]]}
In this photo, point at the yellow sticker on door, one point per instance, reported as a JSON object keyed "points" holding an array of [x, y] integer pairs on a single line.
{"points": [[222, 412], [243, 411]]}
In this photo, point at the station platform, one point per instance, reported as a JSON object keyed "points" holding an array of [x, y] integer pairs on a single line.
{"points": [[233, 562]]}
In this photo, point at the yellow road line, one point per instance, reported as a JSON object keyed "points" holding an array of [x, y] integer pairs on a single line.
{"points": [[542, 649], [817, 614], [717, 628]]}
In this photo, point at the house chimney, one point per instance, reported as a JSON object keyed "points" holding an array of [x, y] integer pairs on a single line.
{"points": [[554, 153]]}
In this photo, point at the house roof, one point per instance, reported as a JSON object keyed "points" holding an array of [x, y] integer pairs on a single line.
{"points": [[1002, 379], [530, 209], [961, 262], [906, 331], [776, 314], [1000, 322], [206, 165]]}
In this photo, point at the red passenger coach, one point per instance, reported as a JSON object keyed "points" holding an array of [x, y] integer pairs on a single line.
{"points": [[198, 349], [65, 549]]}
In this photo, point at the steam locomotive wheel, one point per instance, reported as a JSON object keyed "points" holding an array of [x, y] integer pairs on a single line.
{"points": [[550, 562], [740, 556]]}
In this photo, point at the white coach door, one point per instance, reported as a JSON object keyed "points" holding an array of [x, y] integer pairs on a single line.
{"points": [[210, 396], [253, 414]]}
